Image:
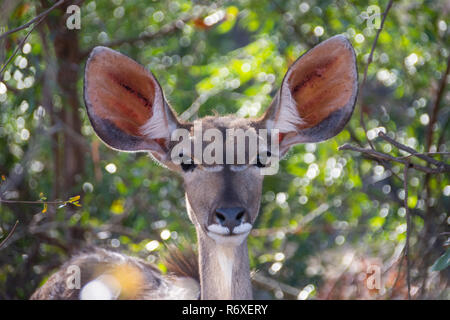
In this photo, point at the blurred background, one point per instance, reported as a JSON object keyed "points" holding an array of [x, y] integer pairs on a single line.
{"points": [[332, 225]]}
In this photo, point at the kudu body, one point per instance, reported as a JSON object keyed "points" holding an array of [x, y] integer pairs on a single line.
{"points": [[128, 111]]}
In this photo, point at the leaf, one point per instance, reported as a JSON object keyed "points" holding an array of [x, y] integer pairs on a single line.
{"points": [[73, 199], [442, 262], [117, 206], [76, 203]]}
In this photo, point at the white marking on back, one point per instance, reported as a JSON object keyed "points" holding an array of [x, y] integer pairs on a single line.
{"points": [[105, 287], [182, 288]]}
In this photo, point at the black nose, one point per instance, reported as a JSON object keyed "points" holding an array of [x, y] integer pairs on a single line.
{"points": [[230, 217]]}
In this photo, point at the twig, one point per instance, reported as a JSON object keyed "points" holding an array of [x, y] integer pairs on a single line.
{"points": [[339, 278], [72, 200], [427, 154], [292, 230], [408, 230], [31, 201], [386, 157], [195, 106], [369, 61], [412, 151], [434, 111], [398, 275], [19, 47], [26, 25], [9, 234], [271, 284], [444, 130], [165, 30], [427, 179], [39, 19]]}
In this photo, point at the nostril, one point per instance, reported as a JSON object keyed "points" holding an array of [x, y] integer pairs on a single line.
{"points": [[229, 217], [220, 216]]}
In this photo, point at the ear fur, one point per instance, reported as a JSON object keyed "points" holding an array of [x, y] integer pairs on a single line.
{"points": [[317, 95], [125, 103]]}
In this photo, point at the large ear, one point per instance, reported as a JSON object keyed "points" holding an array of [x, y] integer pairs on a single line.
{"points": [[317, 95], [125, 103]]}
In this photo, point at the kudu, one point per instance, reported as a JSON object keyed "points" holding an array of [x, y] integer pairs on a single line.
{"points": [[128, 111]]}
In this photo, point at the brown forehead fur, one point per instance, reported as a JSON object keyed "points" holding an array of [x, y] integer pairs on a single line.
{"points": [[226, 122], [221, 123]]}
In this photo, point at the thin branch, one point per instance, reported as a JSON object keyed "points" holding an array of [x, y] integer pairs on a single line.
{"points": [[72, 200], [437, 102], [408, 230], [9, 234], [386, 157], [427, 154], [292, 230], [398, 275], [273, 285], [443, 132], [37, 18], [412, 151], [31, 201], [165, 30], [19, 47], [369, 61], [427, 180], [195, 106]]}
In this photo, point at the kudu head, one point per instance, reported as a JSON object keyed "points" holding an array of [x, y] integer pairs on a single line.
{"points": [[129, 112]]}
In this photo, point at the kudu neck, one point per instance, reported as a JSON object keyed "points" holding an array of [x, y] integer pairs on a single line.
{"points": [[224, 270]]}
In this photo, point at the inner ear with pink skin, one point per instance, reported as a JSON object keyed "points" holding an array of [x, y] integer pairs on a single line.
{"points": [[317, 95], [125, 103]]}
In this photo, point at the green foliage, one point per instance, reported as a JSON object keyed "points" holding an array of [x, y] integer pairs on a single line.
{"points": [[443, 262], [237, 64]]}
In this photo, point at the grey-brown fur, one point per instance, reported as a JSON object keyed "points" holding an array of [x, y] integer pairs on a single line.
{"points": [[94, 262]]}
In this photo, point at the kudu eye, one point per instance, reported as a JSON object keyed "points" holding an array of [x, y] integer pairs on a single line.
{"points": [[187, 164], [259, 163]]}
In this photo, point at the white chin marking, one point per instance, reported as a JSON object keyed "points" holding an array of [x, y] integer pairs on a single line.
{"points": [[216, 228], [242, 228]]}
